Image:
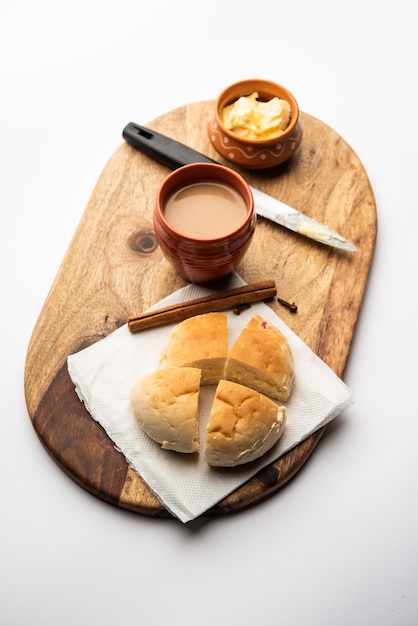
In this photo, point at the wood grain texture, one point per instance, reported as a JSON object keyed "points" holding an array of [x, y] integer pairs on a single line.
{"points": [[113, 269]]}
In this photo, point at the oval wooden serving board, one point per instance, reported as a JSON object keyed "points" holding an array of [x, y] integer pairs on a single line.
{"points": [[113, 269]]}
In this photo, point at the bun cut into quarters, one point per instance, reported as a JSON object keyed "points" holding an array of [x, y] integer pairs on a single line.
{"points": [[243, 425], [166, 405], [261, 358], [200, 341]]}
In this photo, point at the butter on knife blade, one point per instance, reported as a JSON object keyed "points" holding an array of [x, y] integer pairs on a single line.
{"points": [[174, 154]]}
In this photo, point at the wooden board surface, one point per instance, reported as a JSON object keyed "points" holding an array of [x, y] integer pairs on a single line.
{"points": [[113, 269]]}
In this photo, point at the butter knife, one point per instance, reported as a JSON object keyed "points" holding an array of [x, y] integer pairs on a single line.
{"points": [[174, 154]]}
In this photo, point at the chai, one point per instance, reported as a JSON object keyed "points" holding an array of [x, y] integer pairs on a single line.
{"points": [[205, 210]]}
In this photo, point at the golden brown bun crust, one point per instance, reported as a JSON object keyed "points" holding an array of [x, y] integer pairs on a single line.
{"points": [[243, 425], [166, 405], [261, 358], [200, 341]]}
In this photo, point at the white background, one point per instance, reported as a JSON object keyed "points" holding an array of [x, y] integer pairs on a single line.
{"points": [[339, 544]]}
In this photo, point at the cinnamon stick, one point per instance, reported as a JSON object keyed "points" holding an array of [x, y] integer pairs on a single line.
{"points": [[220, 301]]}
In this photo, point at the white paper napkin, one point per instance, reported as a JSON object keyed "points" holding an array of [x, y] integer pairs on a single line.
{"points": [[185, 484]]}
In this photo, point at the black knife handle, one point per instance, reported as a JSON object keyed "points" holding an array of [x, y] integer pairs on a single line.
{"points": [[167, 151]]}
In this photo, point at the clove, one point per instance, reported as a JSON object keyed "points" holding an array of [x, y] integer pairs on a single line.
{"points": [[289, 305], [240, 308]]}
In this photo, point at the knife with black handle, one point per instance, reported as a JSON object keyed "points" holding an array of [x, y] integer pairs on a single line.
{"points": [[174, 154]]}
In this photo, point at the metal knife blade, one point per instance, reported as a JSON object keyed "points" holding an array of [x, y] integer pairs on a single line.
{"points": [[174, 154]]}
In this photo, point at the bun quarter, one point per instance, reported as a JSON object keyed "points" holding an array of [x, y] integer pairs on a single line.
{"points": [[243, 425], [166, 405], [200, 341], [261, 358]]}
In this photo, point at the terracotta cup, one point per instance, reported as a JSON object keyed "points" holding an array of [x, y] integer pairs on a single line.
{"points": [[203, 257]]}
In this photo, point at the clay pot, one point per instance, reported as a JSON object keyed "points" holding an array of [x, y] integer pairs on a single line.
{"points": [[255, 153], [196, 258]]}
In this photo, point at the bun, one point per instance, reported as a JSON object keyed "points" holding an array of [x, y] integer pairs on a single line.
{"points": [[200, 341], [261, 358], [243, 425], [166, 405], [244, 421]]}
